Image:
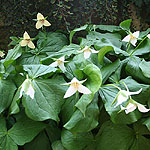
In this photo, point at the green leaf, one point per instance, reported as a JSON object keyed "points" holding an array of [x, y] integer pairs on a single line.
{"points": [[147, 123], [76, 30], [53, 42], [109, 28], [40, 142], [83, 123], [12, 55], [114, 137], [109, 69], [134, 70], [144, 66], [76, 142], [125, 25], [7, 90], [94, 81], [35, 71], [57, 145], [47, 101]]}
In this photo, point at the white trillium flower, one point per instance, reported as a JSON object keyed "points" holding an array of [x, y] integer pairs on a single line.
{"points": [[27, 41], [41, 21], [76, 85], [87, 52], [59, 63], [148, 36], [27, 88], [2, 54], [132, 38], [132, 106], [123, 96]]}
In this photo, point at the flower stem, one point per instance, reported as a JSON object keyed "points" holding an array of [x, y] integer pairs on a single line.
{"points": [[128, 47], [138, 46]]}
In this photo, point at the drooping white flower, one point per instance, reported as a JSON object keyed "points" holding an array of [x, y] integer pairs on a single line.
{"points": [[123, 96], [132, 106], [2, 54], [27, 41], [59, 63], [148, 36], [87, 52], [41, 21], [27, 88], [132, 38], [76, 85]]}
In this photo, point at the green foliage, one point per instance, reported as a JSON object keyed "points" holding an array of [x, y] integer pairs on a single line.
{"points": [[35, 112]]}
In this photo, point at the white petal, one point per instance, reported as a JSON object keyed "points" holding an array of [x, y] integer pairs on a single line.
{"points": [[21, 91], [62, 58], [46, 23], [142, 108], [94, 51], [81, 51], [40, 16], [31, 45], [136, 34], [85, 48], [26, 35], [82, 81], [122, 97], [39, 24], [30, 91], [134, 93], [23, 43], [129, 108], [54, 64], [62, 67], [71, 90], [83, 89], [87, 54], [127, 38], [148, 36], [133, 41]]}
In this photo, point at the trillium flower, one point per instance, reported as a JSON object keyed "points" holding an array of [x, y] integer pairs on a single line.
{"points": [[2, 54], [123, 96], [132, 106], [27, 41], [27, 88], [132, 38], [76, 85], [41, 21], [87, 52], [148, 36], [59, 63]]}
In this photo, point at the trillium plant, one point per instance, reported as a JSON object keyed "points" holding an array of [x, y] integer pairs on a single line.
{"points": [[57, 94]]}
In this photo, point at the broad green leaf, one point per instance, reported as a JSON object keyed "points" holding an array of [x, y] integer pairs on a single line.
{"points": [[125, 25], [109, 69], [76, 30], [83, 123], [147, 123], [144, 33], [65, 51], [133, 69], [94, 81], [7, 90], [12, 55], [109, 28], [145, 67], [47, 101], [38, 70], [57, 145], [76, 142], [40, 142], [114, 137], [53, 42], [25, 130]]}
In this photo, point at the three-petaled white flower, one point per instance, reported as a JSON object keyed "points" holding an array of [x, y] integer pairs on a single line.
{"points": [[76, 85], [132, 106], [27, 88], [87, 51], [41, 21], [59, 63], [123, 96], [2, 54], [27, 41], [132, 38]]}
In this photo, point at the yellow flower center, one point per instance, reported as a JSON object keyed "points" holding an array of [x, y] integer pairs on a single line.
{"points": [[75, 85], [59, 62], [131, 36], [28, 40], [87, 50], [42, 21]]}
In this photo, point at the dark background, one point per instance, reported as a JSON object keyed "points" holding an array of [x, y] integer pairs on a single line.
{"points": [[16, 16]]}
